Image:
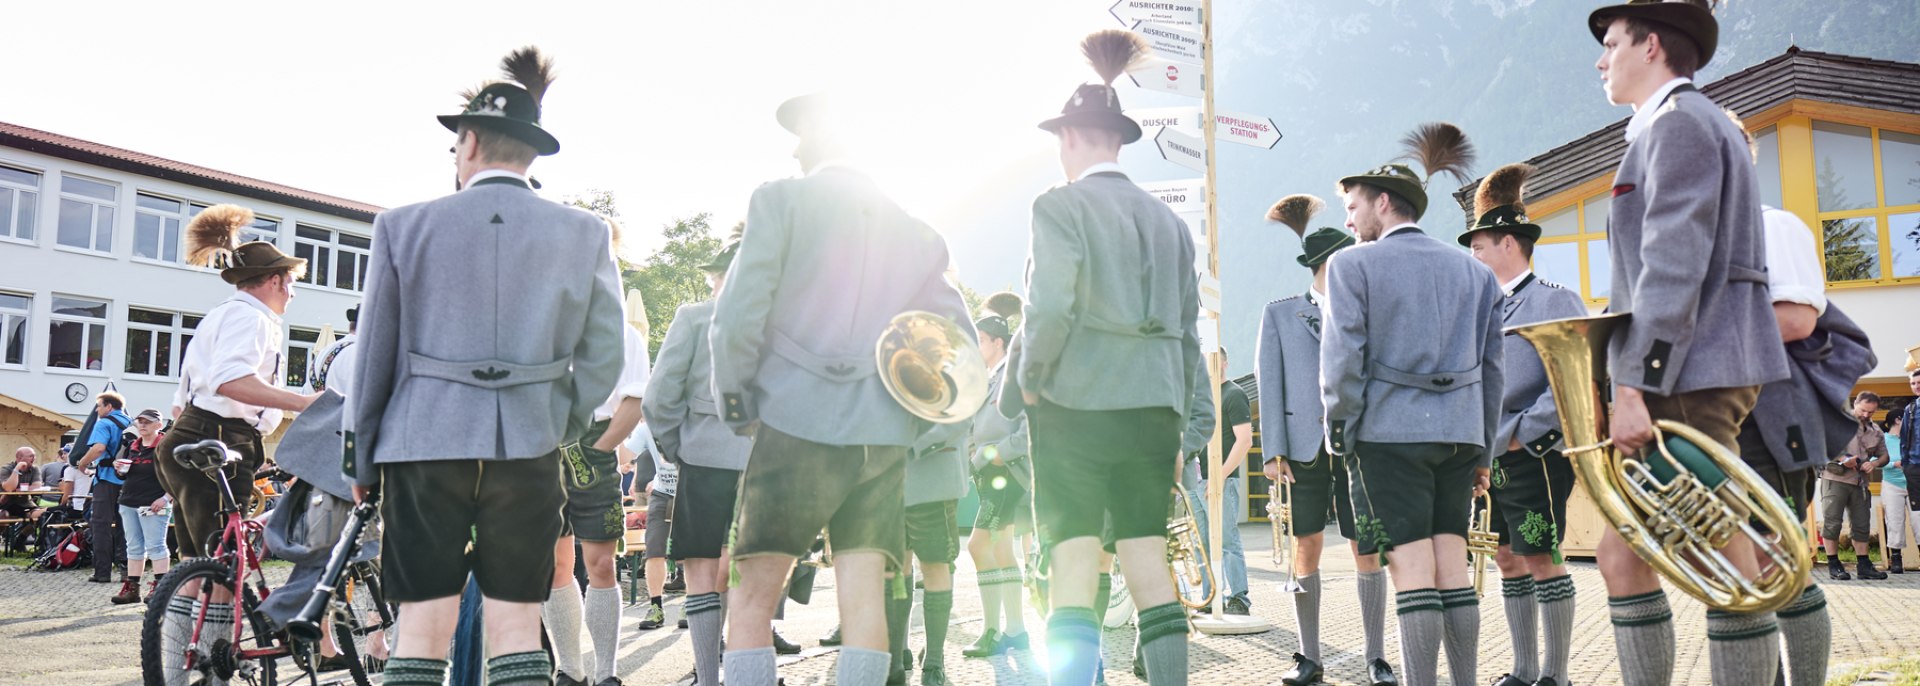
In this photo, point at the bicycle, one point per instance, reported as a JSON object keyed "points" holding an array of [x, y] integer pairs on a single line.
{"points": [[204, 623]]}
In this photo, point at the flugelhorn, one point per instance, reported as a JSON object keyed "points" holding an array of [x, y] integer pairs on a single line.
{"points": [[931, 367], [1192, 571], [1280, 514], [1482, 542], [1684, 499]]}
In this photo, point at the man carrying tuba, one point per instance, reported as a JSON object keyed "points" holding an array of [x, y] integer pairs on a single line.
{"points": [[1689, 263]]}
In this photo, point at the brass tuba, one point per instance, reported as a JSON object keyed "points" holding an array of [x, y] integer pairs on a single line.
{"points": [[1482, 542], [931, 367], [1679, 505], [1280, 514], [1188, 556]]}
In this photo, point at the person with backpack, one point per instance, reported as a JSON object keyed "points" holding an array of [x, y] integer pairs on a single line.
{"points": [[102, 447], [143, 506]]}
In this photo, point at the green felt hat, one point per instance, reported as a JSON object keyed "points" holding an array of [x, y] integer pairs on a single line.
{"points": [[1319, 246], [1399, 179], [512, 107], [1507, 219], [1498, 202], [723, 259], [1097, 105], [1692, 18]]}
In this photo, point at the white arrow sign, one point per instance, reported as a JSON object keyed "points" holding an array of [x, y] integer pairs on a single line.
{"points": [[1244, 129], [1153, 119], [1182, 149], [1168, 76], [1171, 12], [1172, 43], [1183, 195]]}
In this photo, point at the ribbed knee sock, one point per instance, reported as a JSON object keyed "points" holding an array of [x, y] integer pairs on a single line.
{"points": [[1073, 646], [990, 603], [531, 668], [1809, 635], [939, 609], [1373, 612], [754, 666], [1163, 644], [1423, 626], [705, 619], [899, 617], [1306, 616], [1013, 591], [413, 671], [1462, 610], [1522, 622], [1643, 636], [1555, 597], [561, 613], [858, 667], [603, 625], [178, 627], [218, 624], [1744, 646]]}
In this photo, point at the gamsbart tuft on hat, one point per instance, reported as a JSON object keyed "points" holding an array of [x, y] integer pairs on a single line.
{"points": [[1438, 147], [1110, 52], [1692, 18], [213, 241], [511, 107], [1499, 206]]}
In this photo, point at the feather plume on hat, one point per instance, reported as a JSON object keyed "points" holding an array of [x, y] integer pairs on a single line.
{"points": [[214, 234], [1005, 303], [1295, 211], [1440, 147], [1113, 51], [530, 69], [1504, 186]]}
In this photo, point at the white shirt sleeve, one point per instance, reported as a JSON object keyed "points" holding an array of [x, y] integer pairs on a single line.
{"points": [[346, 366], [633, 374], [1793, 262], [239, 349]]}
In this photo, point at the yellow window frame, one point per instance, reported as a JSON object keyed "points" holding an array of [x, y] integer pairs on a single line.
{"points": [[1597, 189]]}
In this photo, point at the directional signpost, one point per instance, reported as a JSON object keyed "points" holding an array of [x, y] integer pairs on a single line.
{"points": [[1169, 12], [1168, 76], [1184, 196], [1245, 129], [1182, 149], [1172, 43], [1153, 119]]}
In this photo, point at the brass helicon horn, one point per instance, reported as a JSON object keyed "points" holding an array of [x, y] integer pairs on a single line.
{"points": [[1682, 501], [1192, 572], [931, 367]]}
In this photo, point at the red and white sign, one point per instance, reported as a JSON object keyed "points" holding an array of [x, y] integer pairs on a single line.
{"points": [[1258, 132], [1168, 76]]}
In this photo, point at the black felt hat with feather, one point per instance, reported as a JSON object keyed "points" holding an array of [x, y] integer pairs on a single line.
{"points": [[1317, 247], [1499, 206], [1111, 52], [511, 106], [1437, 147]]}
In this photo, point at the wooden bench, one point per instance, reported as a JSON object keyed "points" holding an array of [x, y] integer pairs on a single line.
{"points": [[634, 560]]}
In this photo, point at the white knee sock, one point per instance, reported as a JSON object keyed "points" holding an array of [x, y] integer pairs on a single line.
{"points": [[561, 613], [603, 625]]}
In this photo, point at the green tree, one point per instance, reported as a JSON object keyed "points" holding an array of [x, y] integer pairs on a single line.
{"points": [[1851, 245], [601, 202], [671, 276]]}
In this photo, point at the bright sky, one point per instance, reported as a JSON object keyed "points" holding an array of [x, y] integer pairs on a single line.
{"points": [[667, 104]]}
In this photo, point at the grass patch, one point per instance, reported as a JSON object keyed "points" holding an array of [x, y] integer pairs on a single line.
{"points": [[1847, 556], [15, 561], [1904, 671]]}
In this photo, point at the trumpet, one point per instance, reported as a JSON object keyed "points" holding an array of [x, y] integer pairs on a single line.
{"points": [[1280, 514], [1188, 556], [1681, 501], [1482, 542]]}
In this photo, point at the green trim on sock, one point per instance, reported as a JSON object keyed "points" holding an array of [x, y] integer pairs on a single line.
{"points": [[1515, 587], [411, 671], [531, 667], [1810, 601], [1161, 621], [1459, 597], [1623, 601]]}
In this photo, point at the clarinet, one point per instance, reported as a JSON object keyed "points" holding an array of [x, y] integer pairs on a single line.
{"points": [[306, 625]]}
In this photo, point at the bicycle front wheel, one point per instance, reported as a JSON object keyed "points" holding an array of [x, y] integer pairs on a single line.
{"points": [[201, 594], [363, 622]]}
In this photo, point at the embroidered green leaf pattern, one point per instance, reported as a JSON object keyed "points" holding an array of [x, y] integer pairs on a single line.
{"points": [[1371, 528], [1499, 476]]}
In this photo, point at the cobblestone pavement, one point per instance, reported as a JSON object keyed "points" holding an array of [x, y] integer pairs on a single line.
{"points": [[59, 629]]}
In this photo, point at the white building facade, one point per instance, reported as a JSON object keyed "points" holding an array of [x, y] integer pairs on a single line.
{"points": [[94, 290]]}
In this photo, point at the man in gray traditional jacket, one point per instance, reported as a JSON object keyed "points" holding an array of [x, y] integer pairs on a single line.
{"points": [[1110, 286], [1292, 417], [687, 429], [825, 263], [1689, 263], [490, 332], [1531, 478], [1410, 369]]}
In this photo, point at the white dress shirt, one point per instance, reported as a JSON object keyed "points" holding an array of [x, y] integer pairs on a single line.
{"points": [[1643, 116], [490, 173], [1113, 167], [1793, 263], [341, 371], [633, 376], [1508, 287], [1399, 228], [240, 337]]}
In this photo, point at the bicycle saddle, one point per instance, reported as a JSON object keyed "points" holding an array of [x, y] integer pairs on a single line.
{"points": [[206, 456]]}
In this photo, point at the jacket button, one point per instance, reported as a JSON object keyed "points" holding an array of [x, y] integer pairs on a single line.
{"points": [[1656, 364]]}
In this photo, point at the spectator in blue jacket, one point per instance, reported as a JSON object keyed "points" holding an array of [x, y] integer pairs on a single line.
{"points": [[102, 446]]}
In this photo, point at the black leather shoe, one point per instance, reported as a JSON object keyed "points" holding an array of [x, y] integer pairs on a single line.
{"points": [[782, 646], [561, 679], [1866, 570], [933, 676], [1381, 674], [1508, 680], [1546, 681], [988, 644], [1305, 672], [1018, 642], [831, 639], [1236, 606], [1837, 572]]}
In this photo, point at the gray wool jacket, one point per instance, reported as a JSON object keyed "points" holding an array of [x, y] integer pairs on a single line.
{"points": [[1287, 367], [1527, 411], [681, 414], [490, 330]]}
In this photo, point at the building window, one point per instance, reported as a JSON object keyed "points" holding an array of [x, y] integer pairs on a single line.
{"points": [[15, 309], [156, 340], [86, 213], [1766, 143], [1867, 185], [263, 228], [77, 334], [300, 345], [19, 200], [156, 227], [1572, 250], [334, 259]]}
